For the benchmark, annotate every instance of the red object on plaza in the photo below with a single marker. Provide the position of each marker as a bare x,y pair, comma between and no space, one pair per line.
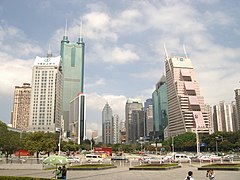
22,152
103,150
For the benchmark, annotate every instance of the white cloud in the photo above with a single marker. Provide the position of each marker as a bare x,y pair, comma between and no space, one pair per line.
98,82
14,72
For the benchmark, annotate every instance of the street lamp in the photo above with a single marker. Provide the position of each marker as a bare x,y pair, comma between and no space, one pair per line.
217,138
173,144
59,140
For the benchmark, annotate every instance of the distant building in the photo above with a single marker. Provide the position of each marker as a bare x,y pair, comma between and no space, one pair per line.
148,124
95,136
46,94
77,118
116,129
223,117
21,107
137,126
107,127
73,73
186,109
234,116
160,112
131,104
237,98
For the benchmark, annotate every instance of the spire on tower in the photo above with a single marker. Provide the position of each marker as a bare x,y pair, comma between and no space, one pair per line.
80,39
65,37
185,52
49,54
165,49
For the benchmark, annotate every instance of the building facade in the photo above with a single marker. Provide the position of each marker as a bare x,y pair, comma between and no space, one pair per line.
186,109
131,105
21,107
160,117
237,99
223,117
107,124
73,73
116,129
77,118
46,94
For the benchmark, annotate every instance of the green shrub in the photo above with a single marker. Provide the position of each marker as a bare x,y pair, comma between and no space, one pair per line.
21,178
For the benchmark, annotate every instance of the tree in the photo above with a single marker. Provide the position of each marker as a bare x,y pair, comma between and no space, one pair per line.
40,141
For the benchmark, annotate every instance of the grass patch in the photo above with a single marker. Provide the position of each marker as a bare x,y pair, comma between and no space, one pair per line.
92,165
21,178
156,165
223,165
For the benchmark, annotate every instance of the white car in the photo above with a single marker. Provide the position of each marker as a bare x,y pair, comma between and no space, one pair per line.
181,158
73,159
151,160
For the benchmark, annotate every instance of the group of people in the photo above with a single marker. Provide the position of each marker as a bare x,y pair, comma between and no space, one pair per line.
210,175
61,173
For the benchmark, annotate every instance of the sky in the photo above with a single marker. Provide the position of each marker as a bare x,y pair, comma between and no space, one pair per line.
124,39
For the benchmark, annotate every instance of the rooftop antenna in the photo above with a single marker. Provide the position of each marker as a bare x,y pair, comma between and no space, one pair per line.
65,32
81,29
165,49
49,54
185,52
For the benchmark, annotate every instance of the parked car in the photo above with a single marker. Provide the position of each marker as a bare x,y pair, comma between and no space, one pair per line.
73,159
119,158
215,158
168,158
181,158
94,158
204,158
151,160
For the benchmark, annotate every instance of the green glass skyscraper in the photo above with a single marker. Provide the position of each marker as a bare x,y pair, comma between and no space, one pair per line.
73,73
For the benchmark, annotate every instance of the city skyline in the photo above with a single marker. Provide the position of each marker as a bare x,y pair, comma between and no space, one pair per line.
124,47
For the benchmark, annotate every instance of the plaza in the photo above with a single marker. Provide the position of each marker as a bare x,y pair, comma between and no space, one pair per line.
123,173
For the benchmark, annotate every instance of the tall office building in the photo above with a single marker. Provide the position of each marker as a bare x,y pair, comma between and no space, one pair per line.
148,124
46,95
107,127
21,106
73,73
237,98
223,117
131,105
234,116
77,118
186,109
160,117
116,129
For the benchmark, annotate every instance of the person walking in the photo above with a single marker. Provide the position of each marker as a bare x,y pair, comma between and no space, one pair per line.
190,176
211,174
64,173
58,173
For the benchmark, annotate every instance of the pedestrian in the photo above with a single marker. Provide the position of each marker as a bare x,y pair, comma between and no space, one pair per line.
64,172
190,176
211,174
58,173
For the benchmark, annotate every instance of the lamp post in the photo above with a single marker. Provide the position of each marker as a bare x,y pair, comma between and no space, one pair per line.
59,140
173,144
217,138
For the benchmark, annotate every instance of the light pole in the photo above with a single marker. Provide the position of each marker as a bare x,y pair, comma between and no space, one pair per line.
217,138
59,140
173,144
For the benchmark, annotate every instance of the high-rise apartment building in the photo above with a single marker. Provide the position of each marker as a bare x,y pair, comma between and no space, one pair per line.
186,109
73,73
116,129
21,106
234,116
131,105
137,126
237,98
107,124
223,117
77,118
46,95
148,124
160,117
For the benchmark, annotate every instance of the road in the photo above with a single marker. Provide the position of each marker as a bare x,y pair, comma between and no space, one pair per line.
123,173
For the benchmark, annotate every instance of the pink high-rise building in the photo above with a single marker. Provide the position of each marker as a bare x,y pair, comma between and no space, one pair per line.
186,109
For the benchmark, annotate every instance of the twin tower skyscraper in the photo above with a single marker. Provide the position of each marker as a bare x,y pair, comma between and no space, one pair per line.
57,98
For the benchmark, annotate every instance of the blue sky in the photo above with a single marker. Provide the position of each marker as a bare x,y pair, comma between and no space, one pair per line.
124,46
